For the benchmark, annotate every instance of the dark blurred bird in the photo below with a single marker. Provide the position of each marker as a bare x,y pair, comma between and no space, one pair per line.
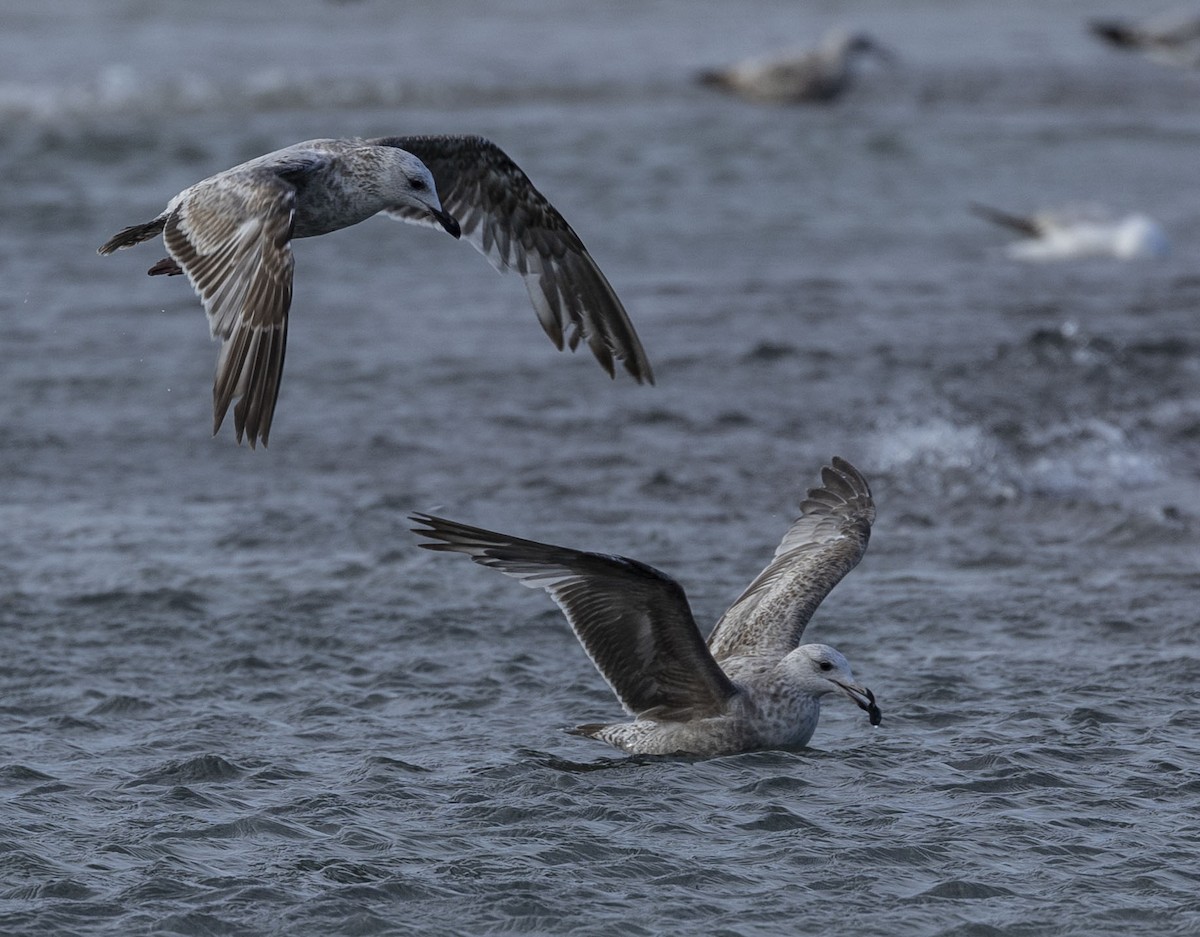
1172,39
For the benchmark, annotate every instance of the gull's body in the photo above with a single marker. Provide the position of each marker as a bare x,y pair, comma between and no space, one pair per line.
816,76
1080,232
231,235
753,686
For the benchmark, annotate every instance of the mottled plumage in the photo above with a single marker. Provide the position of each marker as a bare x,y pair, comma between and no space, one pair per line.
752,686
231,235
821,546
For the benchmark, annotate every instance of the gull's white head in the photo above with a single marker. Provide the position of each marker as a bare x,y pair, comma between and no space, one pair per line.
1139,236
822,669
411,186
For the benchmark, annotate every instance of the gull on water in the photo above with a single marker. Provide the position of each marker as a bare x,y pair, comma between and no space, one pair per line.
1084,231
231,235
793,77
1170,39
753,685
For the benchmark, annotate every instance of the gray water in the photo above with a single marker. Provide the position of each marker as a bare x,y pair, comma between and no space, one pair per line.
236,699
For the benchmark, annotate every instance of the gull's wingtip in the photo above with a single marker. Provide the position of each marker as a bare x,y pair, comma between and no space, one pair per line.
638,367
426,524
441,531
845,467
841,479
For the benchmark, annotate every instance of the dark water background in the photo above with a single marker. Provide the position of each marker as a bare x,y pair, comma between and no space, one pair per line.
236,699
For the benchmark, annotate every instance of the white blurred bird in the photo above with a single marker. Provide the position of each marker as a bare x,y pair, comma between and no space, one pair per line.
1079,232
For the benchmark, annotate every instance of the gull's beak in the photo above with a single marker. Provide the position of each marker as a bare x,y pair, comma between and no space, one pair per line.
447,221
864,699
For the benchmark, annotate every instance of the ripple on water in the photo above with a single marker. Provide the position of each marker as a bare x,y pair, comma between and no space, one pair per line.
189,770
120,705
235,701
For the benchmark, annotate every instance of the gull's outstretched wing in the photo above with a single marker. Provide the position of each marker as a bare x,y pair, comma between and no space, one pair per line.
633,621
512,224
231,235
825,543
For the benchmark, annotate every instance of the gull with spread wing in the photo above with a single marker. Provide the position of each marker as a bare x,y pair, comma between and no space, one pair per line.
753,686
231,236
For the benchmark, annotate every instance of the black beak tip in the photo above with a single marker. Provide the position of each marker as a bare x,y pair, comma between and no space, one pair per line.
449,222
874,713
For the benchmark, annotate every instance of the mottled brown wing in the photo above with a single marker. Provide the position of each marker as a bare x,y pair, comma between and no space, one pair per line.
512,224
633,621
825,543
231,235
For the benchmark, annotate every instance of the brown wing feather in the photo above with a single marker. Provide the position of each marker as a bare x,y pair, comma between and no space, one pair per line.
633,621
825,543
231,235
512,224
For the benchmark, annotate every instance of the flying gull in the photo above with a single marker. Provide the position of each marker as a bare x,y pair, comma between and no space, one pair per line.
231,235
810,76
1081,231
753,685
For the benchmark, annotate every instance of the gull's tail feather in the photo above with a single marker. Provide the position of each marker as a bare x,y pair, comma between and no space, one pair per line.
134,234
588,730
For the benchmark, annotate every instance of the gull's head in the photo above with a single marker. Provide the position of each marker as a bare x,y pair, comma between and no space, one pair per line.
1138,236
412,186
822,669
843,46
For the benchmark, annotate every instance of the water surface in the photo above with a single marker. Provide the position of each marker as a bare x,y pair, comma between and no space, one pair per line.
236,699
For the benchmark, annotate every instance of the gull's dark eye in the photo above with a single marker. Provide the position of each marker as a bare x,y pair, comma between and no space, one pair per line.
417,185
826,665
